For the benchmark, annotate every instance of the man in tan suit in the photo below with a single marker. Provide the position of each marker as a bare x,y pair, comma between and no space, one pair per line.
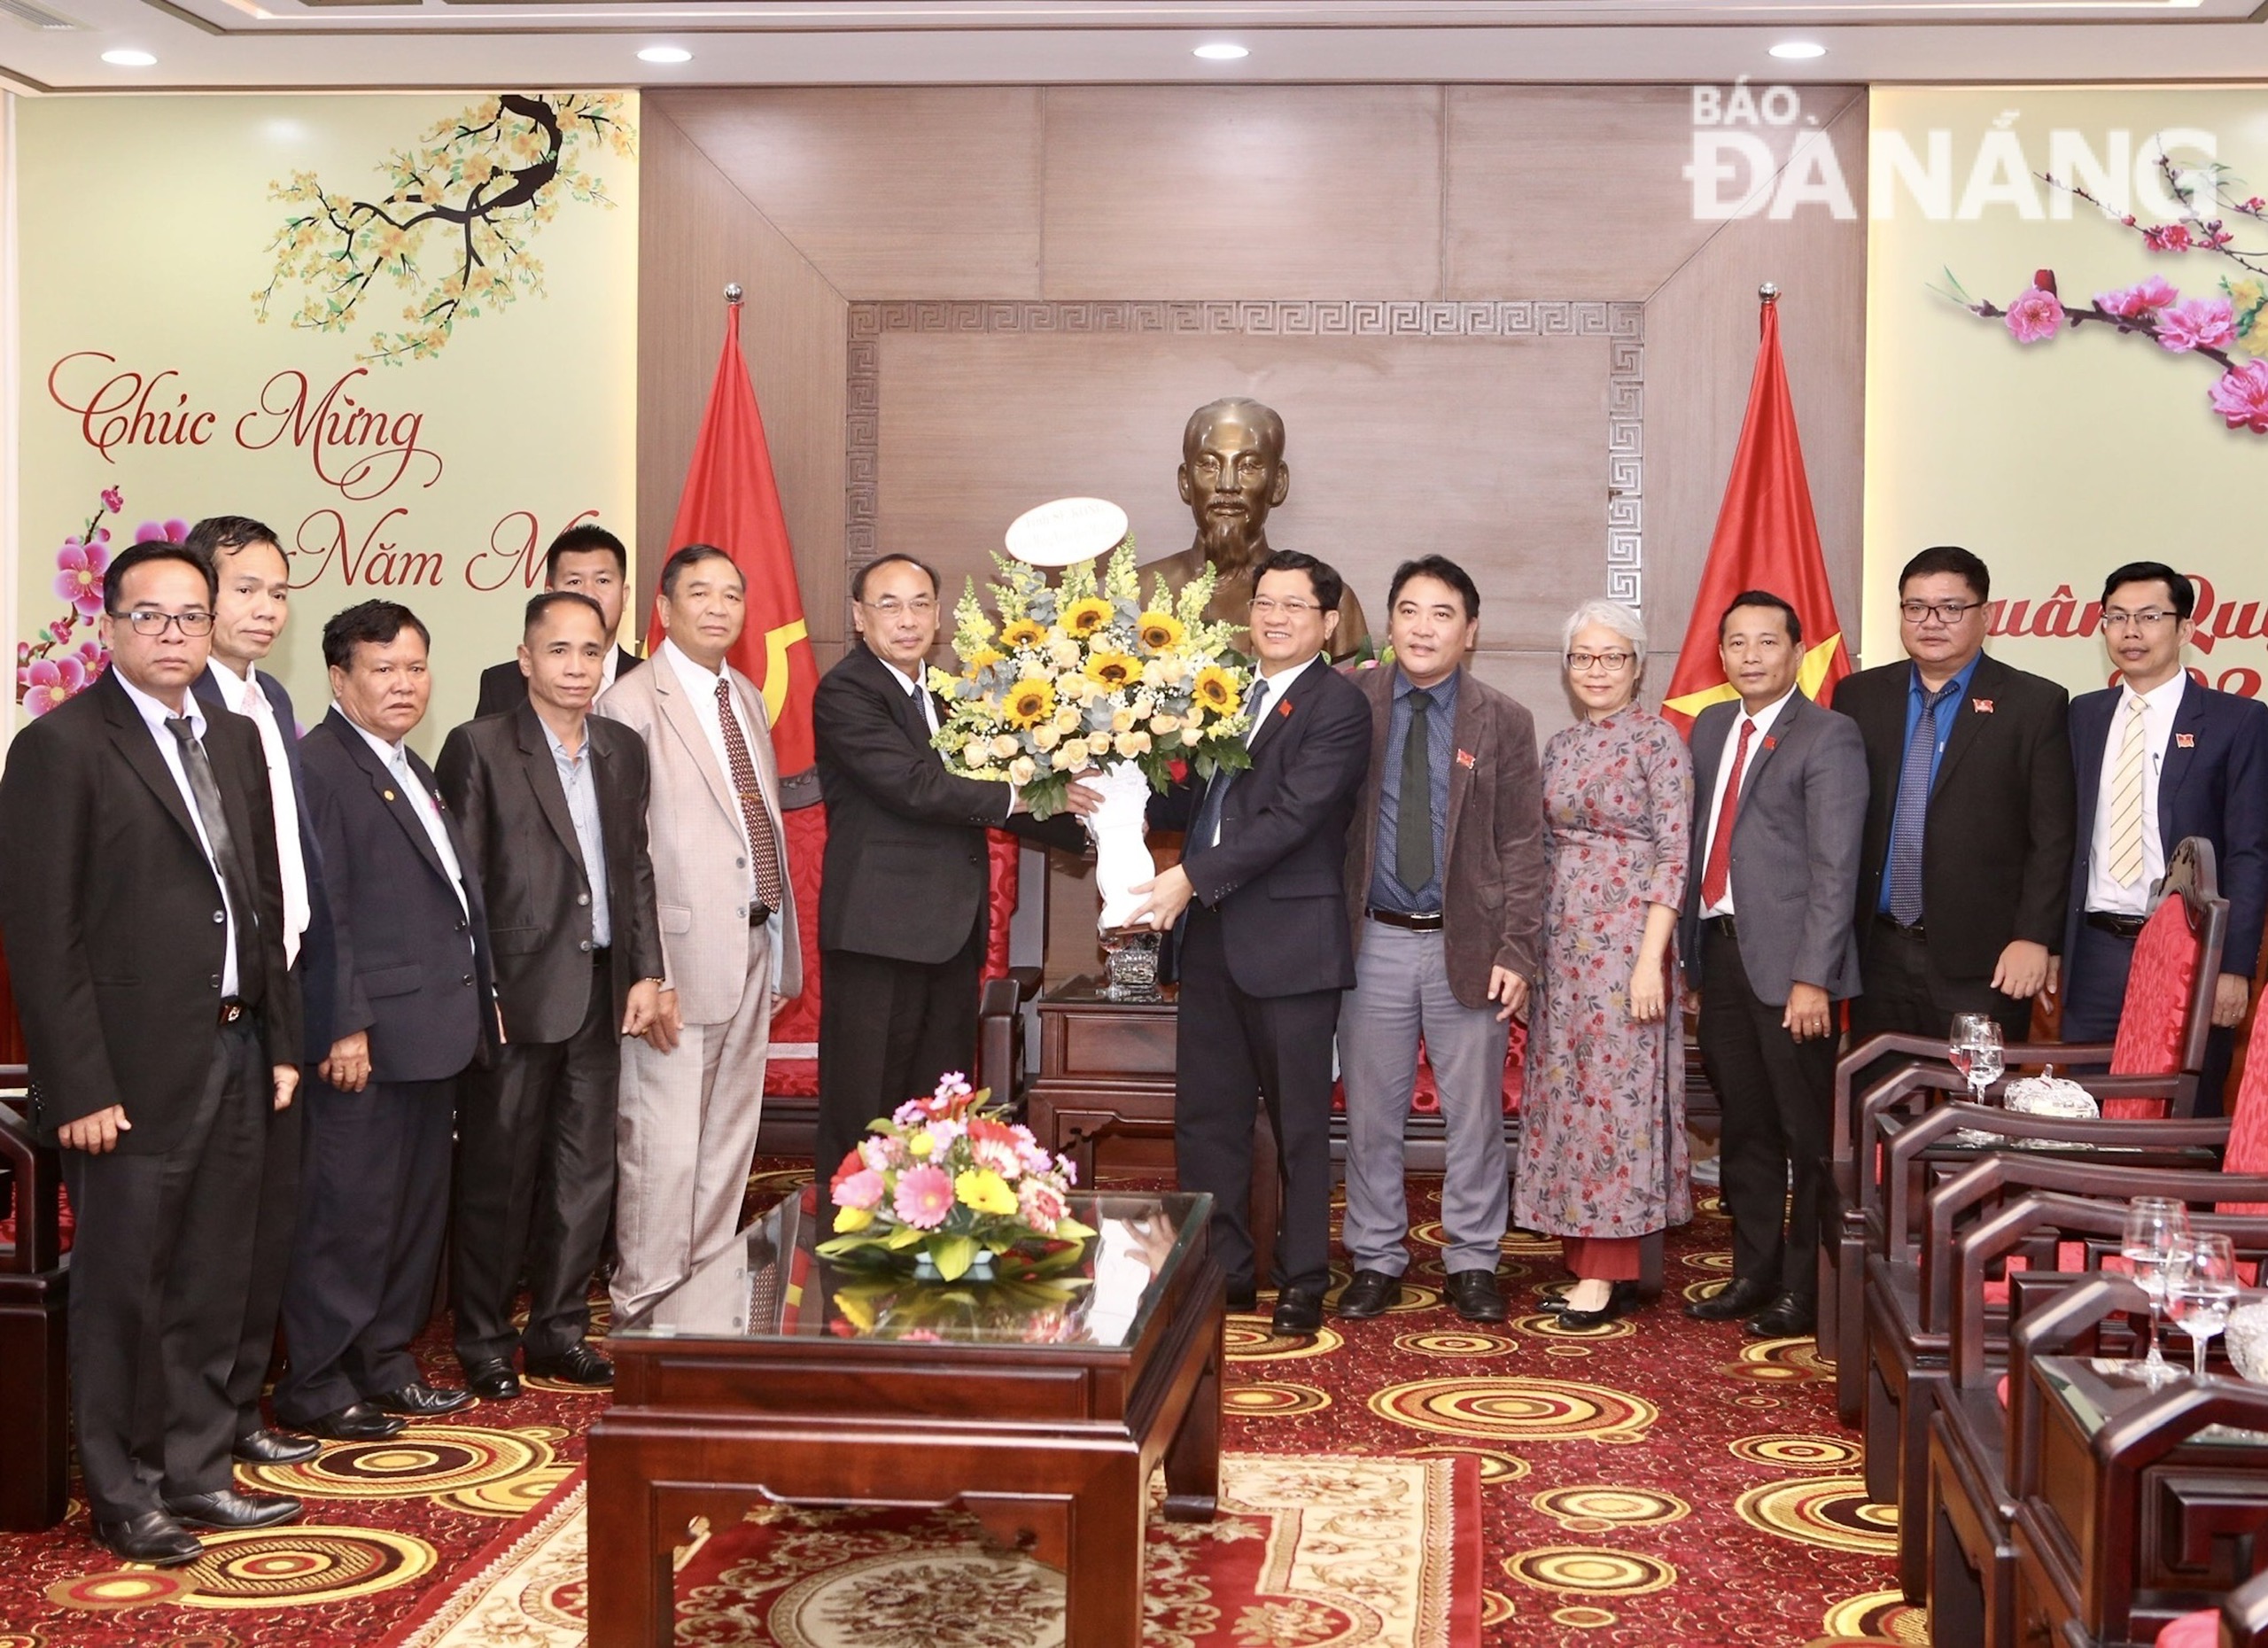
693,1086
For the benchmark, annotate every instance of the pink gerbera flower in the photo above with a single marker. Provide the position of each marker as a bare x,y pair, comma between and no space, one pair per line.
2241,397
2200,324
862,1190
2035,316
1041,1205
924,1196
79,575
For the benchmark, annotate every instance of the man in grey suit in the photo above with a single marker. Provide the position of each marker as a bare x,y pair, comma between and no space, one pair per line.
1780,799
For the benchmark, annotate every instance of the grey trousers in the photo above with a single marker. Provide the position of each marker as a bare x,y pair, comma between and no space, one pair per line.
1401,994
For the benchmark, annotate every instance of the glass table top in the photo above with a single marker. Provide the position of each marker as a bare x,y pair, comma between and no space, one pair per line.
770,1284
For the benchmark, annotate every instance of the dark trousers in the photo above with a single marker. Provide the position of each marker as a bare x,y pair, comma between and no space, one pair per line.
887,1029
275,1225
1777,1093
1900,995
159,1267
1233,1052
373,1207
2094,992
534,1183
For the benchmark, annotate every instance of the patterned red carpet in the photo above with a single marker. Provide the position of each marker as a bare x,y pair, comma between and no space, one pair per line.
1659,1482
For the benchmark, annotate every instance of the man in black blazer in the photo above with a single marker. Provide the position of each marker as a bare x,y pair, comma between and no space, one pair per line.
252,603
408,1005
584,560
904,899
2159,757
1263,939
1964,870
142,915
550,804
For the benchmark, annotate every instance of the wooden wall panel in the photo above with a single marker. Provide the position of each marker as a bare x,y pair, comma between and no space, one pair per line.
896,192
1176,192
696,232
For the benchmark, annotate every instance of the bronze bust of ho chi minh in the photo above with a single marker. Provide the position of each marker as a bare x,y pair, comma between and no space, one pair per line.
1233,473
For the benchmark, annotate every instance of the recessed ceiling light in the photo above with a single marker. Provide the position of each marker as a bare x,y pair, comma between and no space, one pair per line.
129,59
1220,51
1798,50
665,54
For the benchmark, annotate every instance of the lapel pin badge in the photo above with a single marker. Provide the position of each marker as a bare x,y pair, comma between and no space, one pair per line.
389,795
1464,759
1284,708
1771,742
2185,741
1983,706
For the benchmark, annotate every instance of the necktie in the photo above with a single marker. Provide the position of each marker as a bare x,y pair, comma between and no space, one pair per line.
763,849
235,887
1208,832
2126,862
1906,828
1717,873
1413,824
298,909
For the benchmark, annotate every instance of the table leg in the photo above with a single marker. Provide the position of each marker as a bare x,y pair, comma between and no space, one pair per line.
1103,1578
1036,1524
1193,1458
631,1599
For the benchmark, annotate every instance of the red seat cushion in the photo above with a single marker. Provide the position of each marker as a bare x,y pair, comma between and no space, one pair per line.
2201,1629
2156,1013
2248,1149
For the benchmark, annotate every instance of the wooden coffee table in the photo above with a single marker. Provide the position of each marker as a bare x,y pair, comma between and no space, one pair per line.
1040,1403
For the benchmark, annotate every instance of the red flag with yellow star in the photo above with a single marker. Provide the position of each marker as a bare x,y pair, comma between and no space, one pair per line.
1766,538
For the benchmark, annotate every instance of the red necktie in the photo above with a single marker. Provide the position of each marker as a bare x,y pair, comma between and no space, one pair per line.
1718,871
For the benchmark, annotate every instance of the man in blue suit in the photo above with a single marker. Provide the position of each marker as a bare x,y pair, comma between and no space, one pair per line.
2159,758
253,581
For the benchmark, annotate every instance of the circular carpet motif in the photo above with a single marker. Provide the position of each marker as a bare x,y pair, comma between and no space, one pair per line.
1255,1343
1780,1361
124,1588
918,1596
1496,1607
1583,1618
1273,1401
302,1566
1517,1410
1594,1508
1547,1324
1832,1511
514,1497
1456,1342
425,1461
1590,1570
1494,1467
1798,1451
1878,1616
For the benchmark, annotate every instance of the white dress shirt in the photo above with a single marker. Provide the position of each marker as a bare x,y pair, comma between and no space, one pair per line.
1266,692
914,690
700,686
1762,722
608,667
2160,706
246,697
156,715
421,801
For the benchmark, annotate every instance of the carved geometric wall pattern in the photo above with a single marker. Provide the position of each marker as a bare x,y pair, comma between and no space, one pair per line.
1622,323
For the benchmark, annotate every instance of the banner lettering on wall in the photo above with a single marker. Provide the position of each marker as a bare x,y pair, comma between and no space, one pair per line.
398,329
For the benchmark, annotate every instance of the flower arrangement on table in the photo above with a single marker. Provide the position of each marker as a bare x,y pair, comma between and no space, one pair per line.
947,1180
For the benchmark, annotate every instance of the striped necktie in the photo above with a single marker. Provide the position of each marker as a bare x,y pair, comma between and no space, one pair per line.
2126,861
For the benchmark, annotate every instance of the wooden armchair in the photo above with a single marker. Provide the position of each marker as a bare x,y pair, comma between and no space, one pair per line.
1000,1036
34,1292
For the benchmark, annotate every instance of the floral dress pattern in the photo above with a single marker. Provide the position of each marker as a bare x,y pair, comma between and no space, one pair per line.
1602,1148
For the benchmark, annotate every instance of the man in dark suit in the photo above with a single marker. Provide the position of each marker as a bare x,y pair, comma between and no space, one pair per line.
1779,797
1445,886
1963,876
550,804
252,603
143,918
1264,946
2159,758
409,1006
904,897
584,560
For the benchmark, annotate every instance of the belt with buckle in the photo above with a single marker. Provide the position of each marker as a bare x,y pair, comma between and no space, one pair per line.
1429,923
758,912
1724,924
2117,926
233,1009
602,954
1919,932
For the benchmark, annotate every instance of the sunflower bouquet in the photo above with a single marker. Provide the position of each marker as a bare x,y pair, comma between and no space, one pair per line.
1085,674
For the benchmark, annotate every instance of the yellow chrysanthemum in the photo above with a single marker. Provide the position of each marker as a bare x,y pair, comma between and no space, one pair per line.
1112,670
1030,702
1084,617
1215,690
984,1191
1022,632
1161,632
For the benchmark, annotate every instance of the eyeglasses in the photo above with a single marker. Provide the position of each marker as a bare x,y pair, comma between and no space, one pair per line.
2148,618
1268,606
148,622
890,606
1615,662
1943,611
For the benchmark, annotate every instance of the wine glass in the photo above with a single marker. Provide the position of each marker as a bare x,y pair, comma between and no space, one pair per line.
2156,1234
2203,1291
1976,1049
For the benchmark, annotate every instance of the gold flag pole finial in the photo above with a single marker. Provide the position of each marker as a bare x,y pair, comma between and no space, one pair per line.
1770,291
732,294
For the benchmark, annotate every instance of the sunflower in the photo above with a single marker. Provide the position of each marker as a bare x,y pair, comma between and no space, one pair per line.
983,658
1215,689
1161,632
1084,617
1030,701
1022,632
1112,670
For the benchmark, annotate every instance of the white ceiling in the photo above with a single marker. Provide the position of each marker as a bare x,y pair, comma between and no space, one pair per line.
384,43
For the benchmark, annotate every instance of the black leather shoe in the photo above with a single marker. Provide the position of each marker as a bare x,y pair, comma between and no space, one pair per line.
153,1537
1244,1298
1744,1296
1299,1313
419,1401
266,1447
1619,1299
359,1422
1368,1294
577,1365
1791,1316
1474,1295
493,1380
228,1509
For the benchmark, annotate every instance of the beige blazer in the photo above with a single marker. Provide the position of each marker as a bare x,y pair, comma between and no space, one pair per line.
694,833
